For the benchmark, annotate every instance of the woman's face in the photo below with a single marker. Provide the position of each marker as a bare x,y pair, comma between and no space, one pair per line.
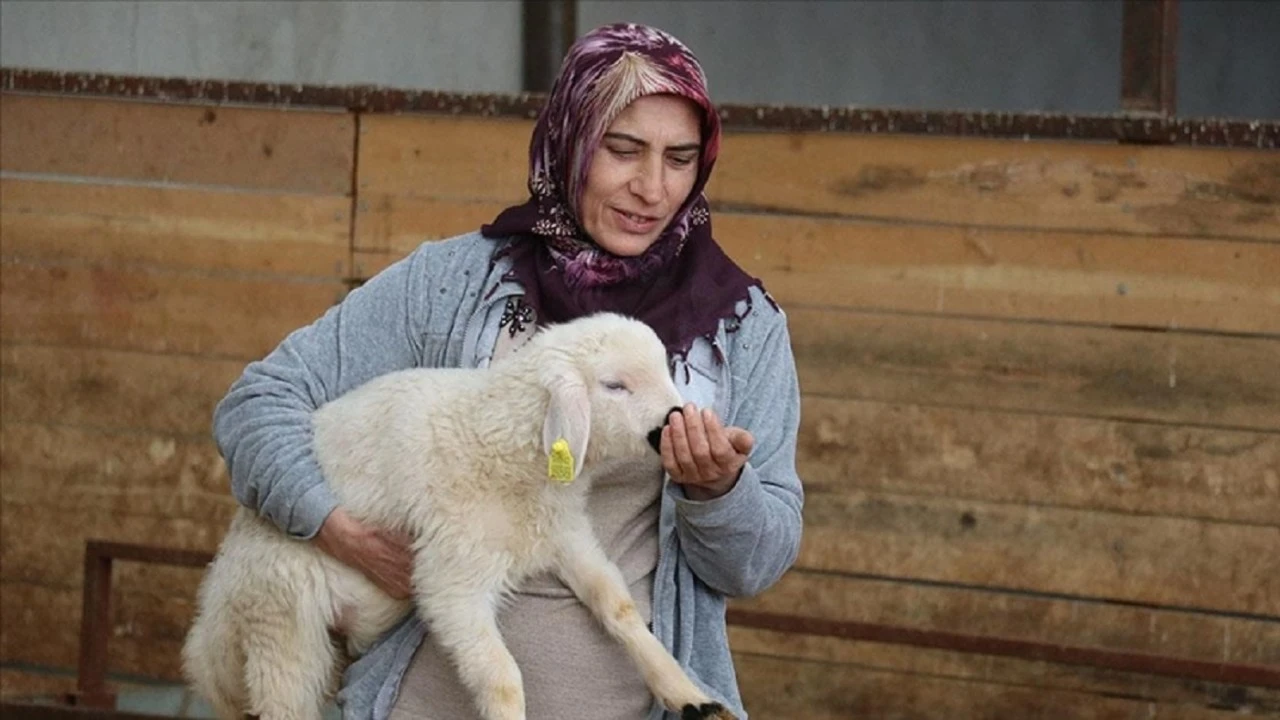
641,174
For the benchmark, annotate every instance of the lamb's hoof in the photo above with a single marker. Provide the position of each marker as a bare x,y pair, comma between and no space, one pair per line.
706,711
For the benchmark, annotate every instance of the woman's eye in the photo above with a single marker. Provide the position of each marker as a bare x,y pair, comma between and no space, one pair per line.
623,152
614,385
680,161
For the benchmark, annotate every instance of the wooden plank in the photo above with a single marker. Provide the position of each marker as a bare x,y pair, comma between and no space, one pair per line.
1047,369
432,156
32,684
956,181
1028,617
40,585
169,395
855,657
208,230
388,227
388,223
1000,183
38,550
1104,279
1153,560
785,688
155,309
109,461
286,150
1040,460
41,627
71,469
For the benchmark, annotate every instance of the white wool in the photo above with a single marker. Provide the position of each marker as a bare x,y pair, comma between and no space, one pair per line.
458,458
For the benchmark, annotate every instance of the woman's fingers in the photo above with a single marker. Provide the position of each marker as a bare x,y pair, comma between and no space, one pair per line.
697,449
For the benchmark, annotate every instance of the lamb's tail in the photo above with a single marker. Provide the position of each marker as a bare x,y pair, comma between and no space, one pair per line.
213,661
260,643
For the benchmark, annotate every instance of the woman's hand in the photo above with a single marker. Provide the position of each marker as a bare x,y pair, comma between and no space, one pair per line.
383,557
703,455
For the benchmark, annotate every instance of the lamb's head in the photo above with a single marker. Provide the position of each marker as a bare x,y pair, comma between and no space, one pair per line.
609,388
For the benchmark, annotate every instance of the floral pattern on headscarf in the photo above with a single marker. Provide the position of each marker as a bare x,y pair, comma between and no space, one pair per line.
604,72
683,285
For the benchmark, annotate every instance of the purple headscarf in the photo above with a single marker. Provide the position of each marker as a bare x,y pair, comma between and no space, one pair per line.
684,284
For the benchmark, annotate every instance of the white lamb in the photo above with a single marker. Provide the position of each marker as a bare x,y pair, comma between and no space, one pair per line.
459,459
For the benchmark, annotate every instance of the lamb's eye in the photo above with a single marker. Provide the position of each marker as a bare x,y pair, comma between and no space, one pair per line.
614,385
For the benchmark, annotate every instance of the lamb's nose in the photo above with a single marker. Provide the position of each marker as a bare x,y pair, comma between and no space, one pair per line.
655,439
655,435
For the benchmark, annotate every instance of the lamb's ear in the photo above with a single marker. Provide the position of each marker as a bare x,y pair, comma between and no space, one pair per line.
568,414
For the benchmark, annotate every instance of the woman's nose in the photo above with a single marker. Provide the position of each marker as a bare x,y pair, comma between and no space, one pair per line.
647,184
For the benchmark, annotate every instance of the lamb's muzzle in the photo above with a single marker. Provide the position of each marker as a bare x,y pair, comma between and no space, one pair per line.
655,435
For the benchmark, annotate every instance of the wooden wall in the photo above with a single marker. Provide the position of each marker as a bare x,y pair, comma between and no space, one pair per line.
1041,380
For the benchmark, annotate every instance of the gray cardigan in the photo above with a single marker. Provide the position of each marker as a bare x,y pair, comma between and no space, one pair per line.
440,307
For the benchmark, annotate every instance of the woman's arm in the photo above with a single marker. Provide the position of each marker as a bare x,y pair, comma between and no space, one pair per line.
263,425
742,541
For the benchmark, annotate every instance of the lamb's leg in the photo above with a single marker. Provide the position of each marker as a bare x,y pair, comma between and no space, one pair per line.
599,584
290,663
459,606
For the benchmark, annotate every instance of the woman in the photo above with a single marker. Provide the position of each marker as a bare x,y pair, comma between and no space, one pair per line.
616,221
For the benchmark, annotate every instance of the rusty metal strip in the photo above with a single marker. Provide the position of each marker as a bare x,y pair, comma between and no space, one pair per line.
1148,56
95,624
355,98
148,554
95,619
1026,126
1234,674
95,628
1126,128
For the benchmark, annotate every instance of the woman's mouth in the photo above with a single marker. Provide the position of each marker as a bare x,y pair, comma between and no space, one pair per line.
633,223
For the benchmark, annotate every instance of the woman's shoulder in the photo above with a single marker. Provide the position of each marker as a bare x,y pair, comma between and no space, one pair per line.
760,314
466,249
465,260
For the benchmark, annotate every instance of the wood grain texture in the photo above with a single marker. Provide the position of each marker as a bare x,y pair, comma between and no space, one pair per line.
787,688
431,156
41,626
1040,460
1041,398
1152,560
1076,186
996,183
293,151
855,657
23,684
43,552
389,227
155,309
170,395
1060,370
209,231
92,466
1100,279
1094,278
1056,620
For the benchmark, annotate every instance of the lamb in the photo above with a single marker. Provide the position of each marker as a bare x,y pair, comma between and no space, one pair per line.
488,471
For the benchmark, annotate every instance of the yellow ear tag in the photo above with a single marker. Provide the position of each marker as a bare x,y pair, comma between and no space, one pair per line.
560,462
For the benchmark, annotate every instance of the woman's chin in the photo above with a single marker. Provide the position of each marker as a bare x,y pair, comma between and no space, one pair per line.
625,245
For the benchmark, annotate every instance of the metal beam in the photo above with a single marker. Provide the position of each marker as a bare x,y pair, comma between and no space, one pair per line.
1168,666
550,27
1149,57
